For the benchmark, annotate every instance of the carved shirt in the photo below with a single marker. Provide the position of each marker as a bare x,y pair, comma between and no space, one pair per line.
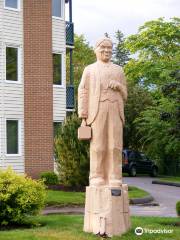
106,92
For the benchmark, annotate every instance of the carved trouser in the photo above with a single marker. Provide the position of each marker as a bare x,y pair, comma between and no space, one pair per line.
106,143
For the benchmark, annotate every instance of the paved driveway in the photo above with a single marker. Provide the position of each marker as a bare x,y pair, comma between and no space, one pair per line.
166,196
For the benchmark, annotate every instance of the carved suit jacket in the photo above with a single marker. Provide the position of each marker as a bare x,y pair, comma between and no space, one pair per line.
89,91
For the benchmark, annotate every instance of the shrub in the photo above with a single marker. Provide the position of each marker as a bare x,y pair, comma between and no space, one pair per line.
72,155
20,197
178,208
50,178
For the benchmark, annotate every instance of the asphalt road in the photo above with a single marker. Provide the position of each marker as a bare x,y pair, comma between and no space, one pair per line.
166,196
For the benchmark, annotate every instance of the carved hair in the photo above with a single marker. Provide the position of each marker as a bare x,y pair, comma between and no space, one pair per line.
100,40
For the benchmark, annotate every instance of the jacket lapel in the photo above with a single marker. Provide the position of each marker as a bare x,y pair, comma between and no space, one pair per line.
97,79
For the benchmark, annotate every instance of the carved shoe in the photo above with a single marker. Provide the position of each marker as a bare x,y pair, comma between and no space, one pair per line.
97,182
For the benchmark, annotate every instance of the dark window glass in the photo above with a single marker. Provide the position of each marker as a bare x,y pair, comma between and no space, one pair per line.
138,157
56,8
57,69
11,3
11,64
57,126
131,156
144,158
12,136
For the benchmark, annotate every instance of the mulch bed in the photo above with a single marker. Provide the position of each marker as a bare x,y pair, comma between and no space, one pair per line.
66,188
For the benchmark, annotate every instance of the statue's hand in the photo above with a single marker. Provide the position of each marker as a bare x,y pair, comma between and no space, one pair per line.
83,123
114,85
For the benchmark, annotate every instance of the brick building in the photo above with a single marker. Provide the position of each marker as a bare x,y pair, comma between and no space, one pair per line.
34,41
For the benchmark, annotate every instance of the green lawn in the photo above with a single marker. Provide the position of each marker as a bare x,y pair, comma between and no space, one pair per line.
68,227
62,198
170,179
135,192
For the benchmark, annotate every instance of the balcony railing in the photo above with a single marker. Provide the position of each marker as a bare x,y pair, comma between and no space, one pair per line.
69,33
70,97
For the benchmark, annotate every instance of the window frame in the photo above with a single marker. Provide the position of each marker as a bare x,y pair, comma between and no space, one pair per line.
19,137
144,157
62,85
62,11
138,157
13,9
19,61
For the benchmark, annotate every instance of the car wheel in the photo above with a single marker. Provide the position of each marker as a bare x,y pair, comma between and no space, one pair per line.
154,172
133,171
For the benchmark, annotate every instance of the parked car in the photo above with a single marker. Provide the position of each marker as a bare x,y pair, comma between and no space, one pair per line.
134,162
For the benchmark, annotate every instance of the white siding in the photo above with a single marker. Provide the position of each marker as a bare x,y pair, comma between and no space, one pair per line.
59,104
12,23
59,92
11,93
58,35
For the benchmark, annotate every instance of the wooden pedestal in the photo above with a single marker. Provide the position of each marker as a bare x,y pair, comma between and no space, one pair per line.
107,210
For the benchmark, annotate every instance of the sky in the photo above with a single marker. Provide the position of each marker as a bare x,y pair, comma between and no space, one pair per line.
95,17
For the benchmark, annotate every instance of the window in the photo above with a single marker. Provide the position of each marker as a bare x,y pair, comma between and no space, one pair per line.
57,8
138,157
12,137
131,156
11,4
57,69
11,64
144,157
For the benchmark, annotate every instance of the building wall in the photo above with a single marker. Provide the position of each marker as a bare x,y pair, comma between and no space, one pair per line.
59,92
11,93
38,87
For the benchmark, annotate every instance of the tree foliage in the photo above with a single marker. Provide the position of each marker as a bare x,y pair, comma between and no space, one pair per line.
83,55
156,68
120,53
156,46
138,100
72,155
160,135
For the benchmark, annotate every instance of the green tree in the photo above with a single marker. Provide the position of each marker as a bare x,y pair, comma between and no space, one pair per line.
156,47
120,53
72,155
160,136
83,55
156,68
138,100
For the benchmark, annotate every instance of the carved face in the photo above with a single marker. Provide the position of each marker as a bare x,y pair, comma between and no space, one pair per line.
104,51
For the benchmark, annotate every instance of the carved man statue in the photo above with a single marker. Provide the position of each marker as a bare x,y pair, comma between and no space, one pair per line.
101,96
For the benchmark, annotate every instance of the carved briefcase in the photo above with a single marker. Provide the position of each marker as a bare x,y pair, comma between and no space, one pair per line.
84,133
